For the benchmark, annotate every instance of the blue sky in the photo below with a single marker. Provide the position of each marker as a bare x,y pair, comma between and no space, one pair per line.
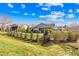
34,13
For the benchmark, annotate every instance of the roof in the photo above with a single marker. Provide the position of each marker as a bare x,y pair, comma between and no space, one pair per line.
42,25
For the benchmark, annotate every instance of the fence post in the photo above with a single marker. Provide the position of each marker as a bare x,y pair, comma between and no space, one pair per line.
26,36
12,33
21,35
37,37
31,35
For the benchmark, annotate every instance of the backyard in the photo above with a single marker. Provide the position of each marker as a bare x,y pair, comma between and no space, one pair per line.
11,46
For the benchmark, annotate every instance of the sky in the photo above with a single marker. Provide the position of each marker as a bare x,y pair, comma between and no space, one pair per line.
35,13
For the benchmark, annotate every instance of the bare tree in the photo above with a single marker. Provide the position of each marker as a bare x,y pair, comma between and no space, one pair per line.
5,21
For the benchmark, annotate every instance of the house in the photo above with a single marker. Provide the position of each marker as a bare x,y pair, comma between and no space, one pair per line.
61,28
42,26
75,28
13,27
24,26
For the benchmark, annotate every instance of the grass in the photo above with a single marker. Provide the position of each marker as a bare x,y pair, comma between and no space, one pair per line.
10,46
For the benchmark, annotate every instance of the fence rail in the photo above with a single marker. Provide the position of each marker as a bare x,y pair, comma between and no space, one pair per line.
26,36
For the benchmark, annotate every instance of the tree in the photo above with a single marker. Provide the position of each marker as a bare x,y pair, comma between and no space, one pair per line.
29,30
47,33
5,21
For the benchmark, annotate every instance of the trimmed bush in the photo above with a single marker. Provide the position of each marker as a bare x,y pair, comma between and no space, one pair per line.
23,35
77,36
28,35
31,35
9,33
65,36
59,36
71,36
21,30
15,34
12,33
18,35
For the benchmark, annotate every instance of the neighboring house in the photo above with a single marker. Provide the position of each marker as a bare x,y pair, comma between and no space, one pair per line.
42,26
61,28
75,28
25,26
12,27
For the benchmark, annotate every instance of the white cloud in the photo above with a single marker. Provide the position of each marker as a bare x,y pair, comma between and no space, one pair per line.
10,5
15,11
33,14
23,6
77,10
77,3
59,13
40,4
70,10
47,17
51,4
55,4
45,8
54,16
70,15
51,17
25,13
48,5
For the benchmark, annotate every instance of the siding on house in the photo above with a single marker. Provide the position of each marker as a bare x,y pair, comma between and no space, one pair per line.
42,26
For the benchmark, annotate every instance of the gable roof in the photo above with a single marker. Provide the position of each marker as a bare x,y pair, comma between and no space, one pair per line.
42,25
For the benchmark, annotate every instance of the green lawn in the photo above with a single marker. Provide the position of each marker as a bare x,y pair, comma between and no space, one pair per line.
10,46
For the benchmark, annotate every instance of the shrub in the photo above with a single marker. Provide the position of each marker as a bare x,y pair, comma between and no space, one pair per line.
77,36
71,36
59,36
21,30
26,38
65,36
15,35
31,35
23,35
28,35
18,35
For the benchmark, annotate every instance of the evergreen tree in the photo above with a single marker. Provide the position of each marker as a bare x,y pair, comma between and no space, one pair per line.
29,30
47,35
